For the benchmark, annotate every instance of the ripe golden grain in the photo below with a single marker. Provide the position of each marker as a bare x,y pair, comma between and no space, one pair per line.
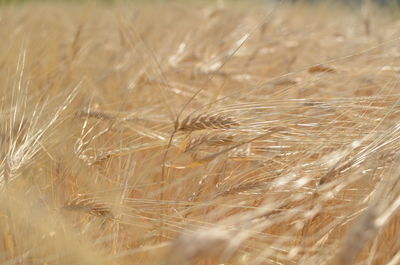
207,121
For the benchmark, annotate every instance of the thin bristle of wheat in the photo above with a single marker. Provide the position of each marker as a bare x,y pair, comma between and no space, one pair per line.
206,121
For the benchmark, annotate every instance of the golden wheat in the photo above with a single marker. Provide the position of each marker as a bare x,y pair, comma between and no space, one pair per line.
208,133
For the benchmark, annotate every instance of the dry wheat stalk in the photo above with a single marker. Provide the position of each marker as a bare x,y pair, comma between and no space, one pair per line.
207,121
84,203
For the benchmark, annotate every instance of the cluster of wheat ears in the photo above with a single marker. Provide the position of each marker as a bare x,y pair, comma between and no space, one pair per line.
199,133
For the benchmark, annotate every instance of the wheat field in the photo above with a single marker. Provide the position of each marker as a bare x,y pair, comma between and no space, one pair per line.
182,133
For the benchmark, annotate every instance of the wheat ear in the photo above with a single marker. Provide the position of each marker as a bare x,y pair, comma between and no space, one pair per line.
210,140
89,205
207,121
